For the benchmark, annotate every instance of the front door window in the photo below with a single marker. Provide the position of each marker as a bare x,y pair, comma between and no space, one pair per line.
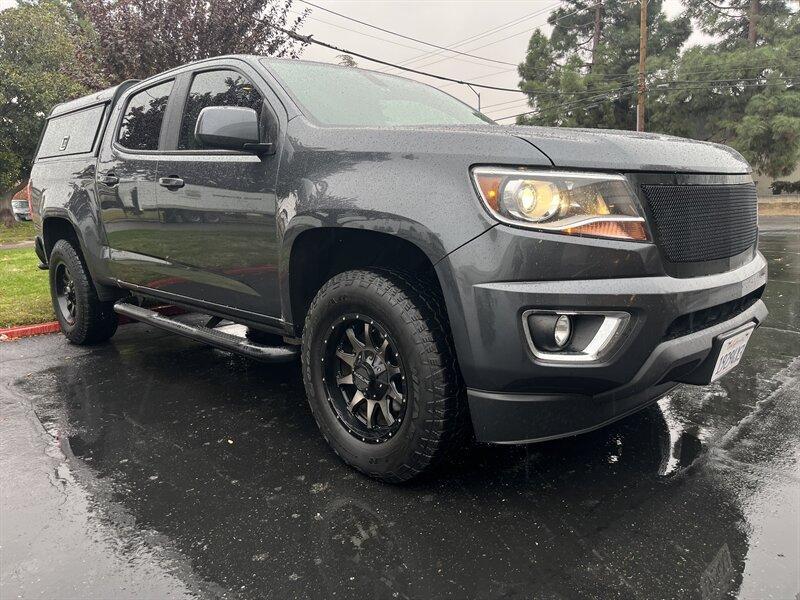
215,88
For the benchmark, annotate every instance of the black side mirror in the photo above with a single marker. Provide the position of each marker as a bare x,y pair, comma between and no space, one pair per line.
229,128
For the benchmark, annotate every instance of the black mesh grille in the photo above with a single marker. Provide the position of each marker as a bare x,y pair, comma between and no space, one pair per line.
703,222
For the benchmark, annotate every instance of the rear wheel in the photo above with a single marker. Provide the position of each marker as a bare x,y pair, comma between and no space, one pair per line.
381,375
84,319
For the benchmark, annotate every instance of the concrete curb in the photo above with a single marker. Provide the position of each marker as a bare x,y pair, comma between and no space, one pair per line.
13,333
24,331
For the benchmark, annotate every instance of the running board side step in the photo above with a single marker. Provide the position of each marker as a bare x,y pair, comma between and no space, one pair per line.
213,337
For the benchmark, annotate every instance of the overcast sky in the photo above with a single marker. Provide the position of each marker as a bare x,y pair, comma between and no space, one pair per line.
442,22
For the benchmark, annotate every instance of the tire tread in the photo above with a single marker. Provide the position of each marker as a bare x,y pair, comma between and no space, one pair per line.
99,321
422,311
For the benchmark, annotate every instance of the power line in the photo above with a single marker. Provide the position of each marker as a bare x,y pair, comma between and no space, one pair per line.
406,37
309,39
525,31
482,34
388,41
648,73
571,104
503,39
782,83
506,102
492,74
619,75
583,101
759,65
660,86
374,37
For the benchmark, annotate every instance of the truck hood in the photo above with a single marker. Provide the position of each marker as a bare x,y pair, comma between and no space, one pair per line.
630,151
610,149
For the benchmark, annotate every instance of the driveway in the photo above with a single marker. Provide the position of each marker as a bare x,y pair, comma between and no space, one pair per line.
155,467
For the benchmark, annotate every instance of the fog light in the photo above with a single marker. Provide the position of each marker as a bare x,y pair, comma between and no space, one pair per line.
579,336
562,331
550,332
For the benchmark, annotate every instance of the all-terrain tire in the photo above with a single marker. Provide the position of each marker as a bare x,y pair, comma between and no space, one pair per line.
411,312
88,320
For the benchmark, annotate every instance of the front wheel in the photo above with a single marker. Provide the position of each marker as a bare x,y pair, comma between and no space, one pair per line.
381,375
83,318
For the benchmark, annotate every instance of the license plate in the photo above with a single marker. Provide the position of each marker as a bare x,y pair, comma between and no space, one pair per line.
731,353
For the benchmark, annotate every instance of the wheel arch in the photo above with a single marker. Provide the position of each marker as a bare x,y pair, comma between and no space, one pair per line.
319,253
57,225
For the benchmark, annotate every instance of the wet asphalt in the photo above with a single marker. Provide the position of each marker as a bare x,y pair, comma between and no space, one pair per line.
156,467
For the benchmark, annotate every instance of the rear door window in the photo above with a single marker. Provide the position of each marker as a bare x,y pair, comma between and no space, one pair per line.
73,133
215,88
144,114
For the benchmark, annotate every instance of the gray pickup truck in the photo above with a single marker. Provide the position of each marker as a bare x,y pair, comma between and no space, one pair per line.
440,276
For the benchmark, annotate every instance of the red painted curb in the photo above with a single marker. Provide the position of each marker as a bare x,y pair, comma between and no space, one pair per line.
15,333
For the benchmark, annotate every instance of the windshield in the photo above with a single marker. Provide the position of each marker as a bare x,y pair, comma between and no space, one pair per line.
336,95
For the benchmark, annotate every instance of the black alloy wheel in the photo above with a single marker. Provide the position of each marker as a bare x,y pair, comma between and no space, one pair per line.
380,373
83,317
364,378
65,293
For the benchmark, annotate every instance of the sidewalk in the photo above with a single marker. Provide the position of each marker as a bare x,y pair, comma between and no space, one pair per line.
15,245
55,543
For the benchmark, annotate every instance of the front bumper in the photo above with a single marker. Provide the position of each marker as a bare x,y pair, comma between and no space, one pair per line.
521,418
515,397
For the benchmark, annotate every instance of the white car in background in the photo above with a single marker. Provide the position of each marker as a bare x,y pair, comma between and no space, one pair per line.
20,204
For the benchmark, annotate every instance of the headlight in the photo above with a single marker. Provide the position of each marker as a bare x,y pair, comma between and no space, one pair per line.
595,204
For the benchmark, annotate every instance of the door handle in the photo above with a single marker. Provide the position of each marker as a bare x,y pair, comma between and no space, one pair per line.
171,183
108,179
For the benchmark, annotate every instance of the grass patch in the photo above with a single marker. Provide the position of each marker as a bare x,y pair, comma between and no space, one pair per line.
24,289
18,232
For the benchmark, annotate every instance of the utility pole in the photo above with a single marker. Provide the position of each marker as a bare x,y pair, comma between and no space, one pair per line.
642,65
596,34
752,23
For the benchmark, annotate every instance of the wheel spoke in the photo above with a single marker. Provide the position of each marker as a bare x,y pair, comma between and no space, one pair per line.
368,336
387,414
393,392
370,412
384,347
345,379
348,359
356,343
392,370
355,400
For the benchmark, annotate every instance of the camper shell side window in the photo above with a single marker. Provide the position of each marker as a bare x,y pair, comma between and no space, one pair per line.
72,133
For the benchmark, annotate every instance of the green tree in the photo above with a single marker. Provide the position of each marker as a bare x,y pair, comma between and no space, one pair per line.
741,90
756,21
139,38
43,61
584,73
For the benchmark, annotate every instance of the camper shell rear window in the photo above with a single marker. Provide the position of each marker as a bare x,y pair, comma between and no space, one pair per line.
72,133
